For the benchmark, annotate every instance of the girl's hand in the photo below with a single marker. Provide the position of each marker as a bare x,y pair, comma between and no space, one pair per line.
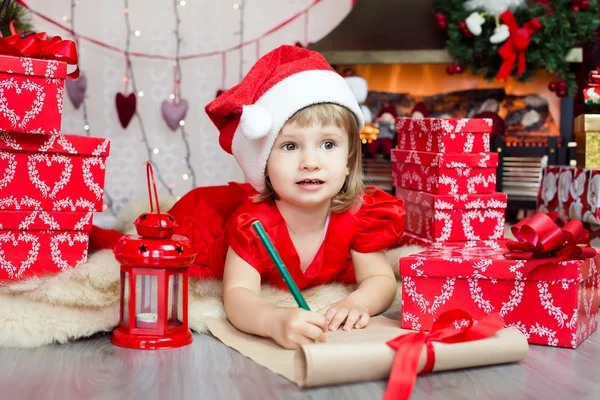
291,327
354,315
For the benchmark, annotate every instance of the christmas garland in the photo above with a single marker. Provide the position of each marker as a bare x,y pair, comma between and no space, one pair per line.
517,42
13,19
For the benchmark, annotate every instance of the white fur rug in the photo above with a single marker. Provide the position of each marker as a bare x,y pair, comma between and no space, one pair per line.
85,300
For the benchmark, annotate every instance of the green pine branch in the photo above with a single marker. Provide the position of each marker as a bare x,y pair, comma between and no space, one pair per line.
562,30
21,20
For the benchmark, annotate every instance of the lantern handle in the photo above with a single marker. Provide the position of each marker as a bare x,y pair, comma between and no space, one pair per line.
150,174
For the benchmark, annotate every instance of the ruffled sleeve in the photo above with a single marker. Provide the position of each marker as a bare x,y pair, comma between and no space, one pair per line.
246,243
380,222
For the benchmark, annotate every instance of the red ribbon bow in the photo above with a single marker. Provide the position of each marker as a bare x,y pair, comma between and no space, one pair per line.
515,45
452,326
548,238
39,46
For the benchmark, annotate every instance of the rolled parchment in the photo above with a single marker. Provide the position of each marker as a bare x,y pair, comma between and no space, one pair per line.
362,354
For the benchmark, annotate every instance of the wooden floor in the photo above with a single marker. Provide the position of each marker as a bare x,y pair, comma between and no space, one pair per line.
207,369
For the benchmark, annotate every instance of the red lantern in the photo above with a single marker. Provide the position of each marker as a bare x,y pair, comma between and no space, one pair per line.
154,282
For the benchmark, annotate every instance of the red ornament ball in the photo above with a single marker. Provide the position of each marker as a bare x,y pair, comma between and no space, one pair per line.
462,25
459,69
575,8
561,93
450,70
552,86
468,34
442,20
584,4
561,86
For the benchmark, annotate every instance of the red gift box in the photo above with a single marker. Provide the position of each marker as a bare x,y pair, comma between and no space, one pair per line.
555,304
411,239
570,191
36,243
444,135
31,94
443,218
52,172
440,173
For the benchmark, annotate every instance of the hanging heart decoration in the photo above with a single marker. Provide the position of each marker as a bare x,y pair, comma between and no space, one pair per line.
76,90
125,108
174,112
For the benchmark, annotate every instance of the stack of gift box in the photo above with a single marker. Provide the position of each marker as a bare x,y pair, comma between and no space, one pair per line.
446,174
542,284
50,183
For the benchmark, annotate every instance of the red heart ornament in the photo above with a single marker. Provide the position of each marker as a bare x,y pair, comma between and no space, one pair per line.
125,108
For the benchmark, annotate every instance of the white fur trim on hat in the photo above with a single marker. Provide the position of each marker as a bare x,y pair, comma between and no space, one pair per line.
282,101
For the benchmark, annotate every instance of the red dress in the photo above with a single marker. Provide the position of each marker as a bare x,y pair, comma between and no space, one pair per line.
216,218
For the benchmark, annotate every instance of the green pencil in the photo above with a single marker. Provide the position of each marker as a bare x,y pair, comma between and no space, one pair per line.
285,274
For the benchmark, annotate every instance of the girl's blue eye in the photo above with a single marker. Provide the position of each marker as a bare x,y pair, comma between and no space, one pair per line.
289,146
328,145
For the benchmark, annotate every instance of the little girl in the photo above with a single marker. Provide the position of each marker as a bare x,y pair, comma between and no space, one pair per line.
293,126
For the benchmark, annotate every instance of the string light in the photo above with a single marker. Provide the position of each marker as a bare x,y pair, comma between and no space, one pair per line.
171,96
155,151
131,78
236,6
137,33
177,94
109,204
140,93
182,3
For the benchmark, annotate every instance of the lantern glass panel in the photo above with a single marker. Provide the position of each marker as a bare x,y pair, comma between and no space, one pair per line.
175,308
125,297
146,307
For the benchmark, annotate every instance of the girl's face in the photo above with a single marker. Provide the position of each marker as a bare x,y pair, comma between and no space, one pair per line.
308,166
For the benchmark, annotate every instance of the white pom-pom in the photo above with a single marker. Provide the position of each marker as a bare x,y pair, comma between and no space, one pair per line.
359,87
255,122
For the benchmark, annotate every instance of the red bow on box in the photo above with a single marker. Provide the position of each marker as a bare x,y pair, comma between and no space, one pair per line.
514,47
548,238
39,46
452,326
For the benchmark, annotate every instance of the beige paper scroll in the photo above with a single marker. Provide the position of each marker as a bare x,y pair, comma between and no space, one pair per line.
362,354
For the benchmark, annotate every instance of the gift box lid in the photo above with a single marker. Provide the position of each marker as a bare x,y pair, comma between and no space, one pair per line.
587,123
445,160
444,125
453,202
486,260
20,220
33,67
55,143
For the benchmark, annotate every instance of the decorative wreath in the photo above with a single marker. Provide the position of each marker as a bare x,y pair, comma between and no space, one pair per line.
502,38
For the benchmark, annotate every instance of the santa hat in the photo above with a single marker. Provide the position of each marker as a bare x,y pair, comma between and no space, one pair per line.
250,115
420,110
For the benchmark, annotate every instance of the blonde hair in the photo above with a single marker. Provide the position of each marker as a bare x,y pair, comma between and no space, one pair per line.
350,196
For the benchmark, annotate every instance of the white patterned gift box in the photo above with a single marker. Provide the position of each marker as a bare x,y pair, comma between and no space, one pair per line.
572,192
564,190
444,135
555,304
31,94
441,173
454,218
36,243
50,185
52,172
